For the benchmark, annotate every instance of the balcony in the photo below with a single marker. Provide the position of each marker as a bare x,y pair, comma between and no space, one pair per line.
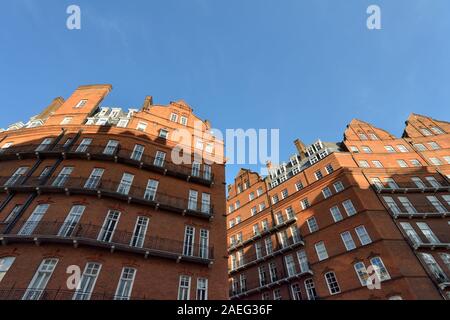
252,237
420,211
109,189
57,294
430,245
97,152
255,287
409,187
90,235
253,259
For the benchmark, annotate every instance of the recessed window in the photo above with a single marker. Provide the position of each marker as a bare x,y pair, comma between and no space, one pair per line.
5,264
354,149
163,133
338,186
435,161
312,224
123,123
332,283
389,149
321,251
363,164
348,240
326,192
349,208
305,203
81,104
377,164
437,130
66,120
366,149
173,117
433,145
318,174
402,163
142,126
402,148
336,213
420,147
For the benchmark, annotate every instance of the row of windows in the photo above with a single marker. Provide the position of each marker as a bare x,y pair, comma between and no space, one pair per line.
391,184
403,164
318,174
388,148
237,259
279,219
348,241
106,233
86,284
408,207
331,280
251,196
112,146
295,291
124,186
335,213
173,116
424,229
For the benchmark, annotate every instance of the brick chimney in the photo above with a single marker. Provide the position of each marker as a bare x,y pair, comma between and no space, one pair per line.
301,148
147,103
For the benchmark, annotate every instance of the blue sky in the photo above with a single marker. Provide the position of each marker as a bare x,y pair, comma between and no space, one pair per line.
305,66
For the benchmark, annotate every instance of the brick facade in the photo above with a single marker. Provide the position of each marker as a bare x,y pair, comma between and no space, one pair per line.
161,253
286,241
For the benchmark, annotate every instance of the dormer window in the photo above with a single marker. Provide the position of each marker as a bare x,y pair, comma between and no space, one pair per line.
122,123
115,113
173,117
35,123
102,121
163,133
103,112
81,104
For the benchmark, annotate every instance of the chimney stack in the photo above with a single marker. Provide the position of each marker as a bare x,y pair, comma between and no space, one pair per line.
147,103
301,148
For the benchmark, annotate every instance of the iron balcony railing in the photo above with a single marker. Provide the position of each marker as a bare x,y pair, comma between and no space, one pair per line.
58,294
251,259
271,280
419,211
253,236
95,235
117,154
108,188
410,187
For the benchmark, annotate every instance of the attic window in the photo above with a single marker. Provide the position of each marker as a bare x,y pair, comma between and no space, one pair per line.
81,104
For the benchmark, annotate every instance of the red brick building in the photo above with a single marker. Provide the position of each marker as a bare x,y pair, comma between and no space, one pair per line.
97,190
367,218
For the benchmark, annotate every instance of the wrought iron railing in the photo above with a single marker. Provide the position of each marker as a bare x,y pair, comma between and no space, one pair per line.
95,235
109,188
59,294
271,280
255,235
121,155
250,258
